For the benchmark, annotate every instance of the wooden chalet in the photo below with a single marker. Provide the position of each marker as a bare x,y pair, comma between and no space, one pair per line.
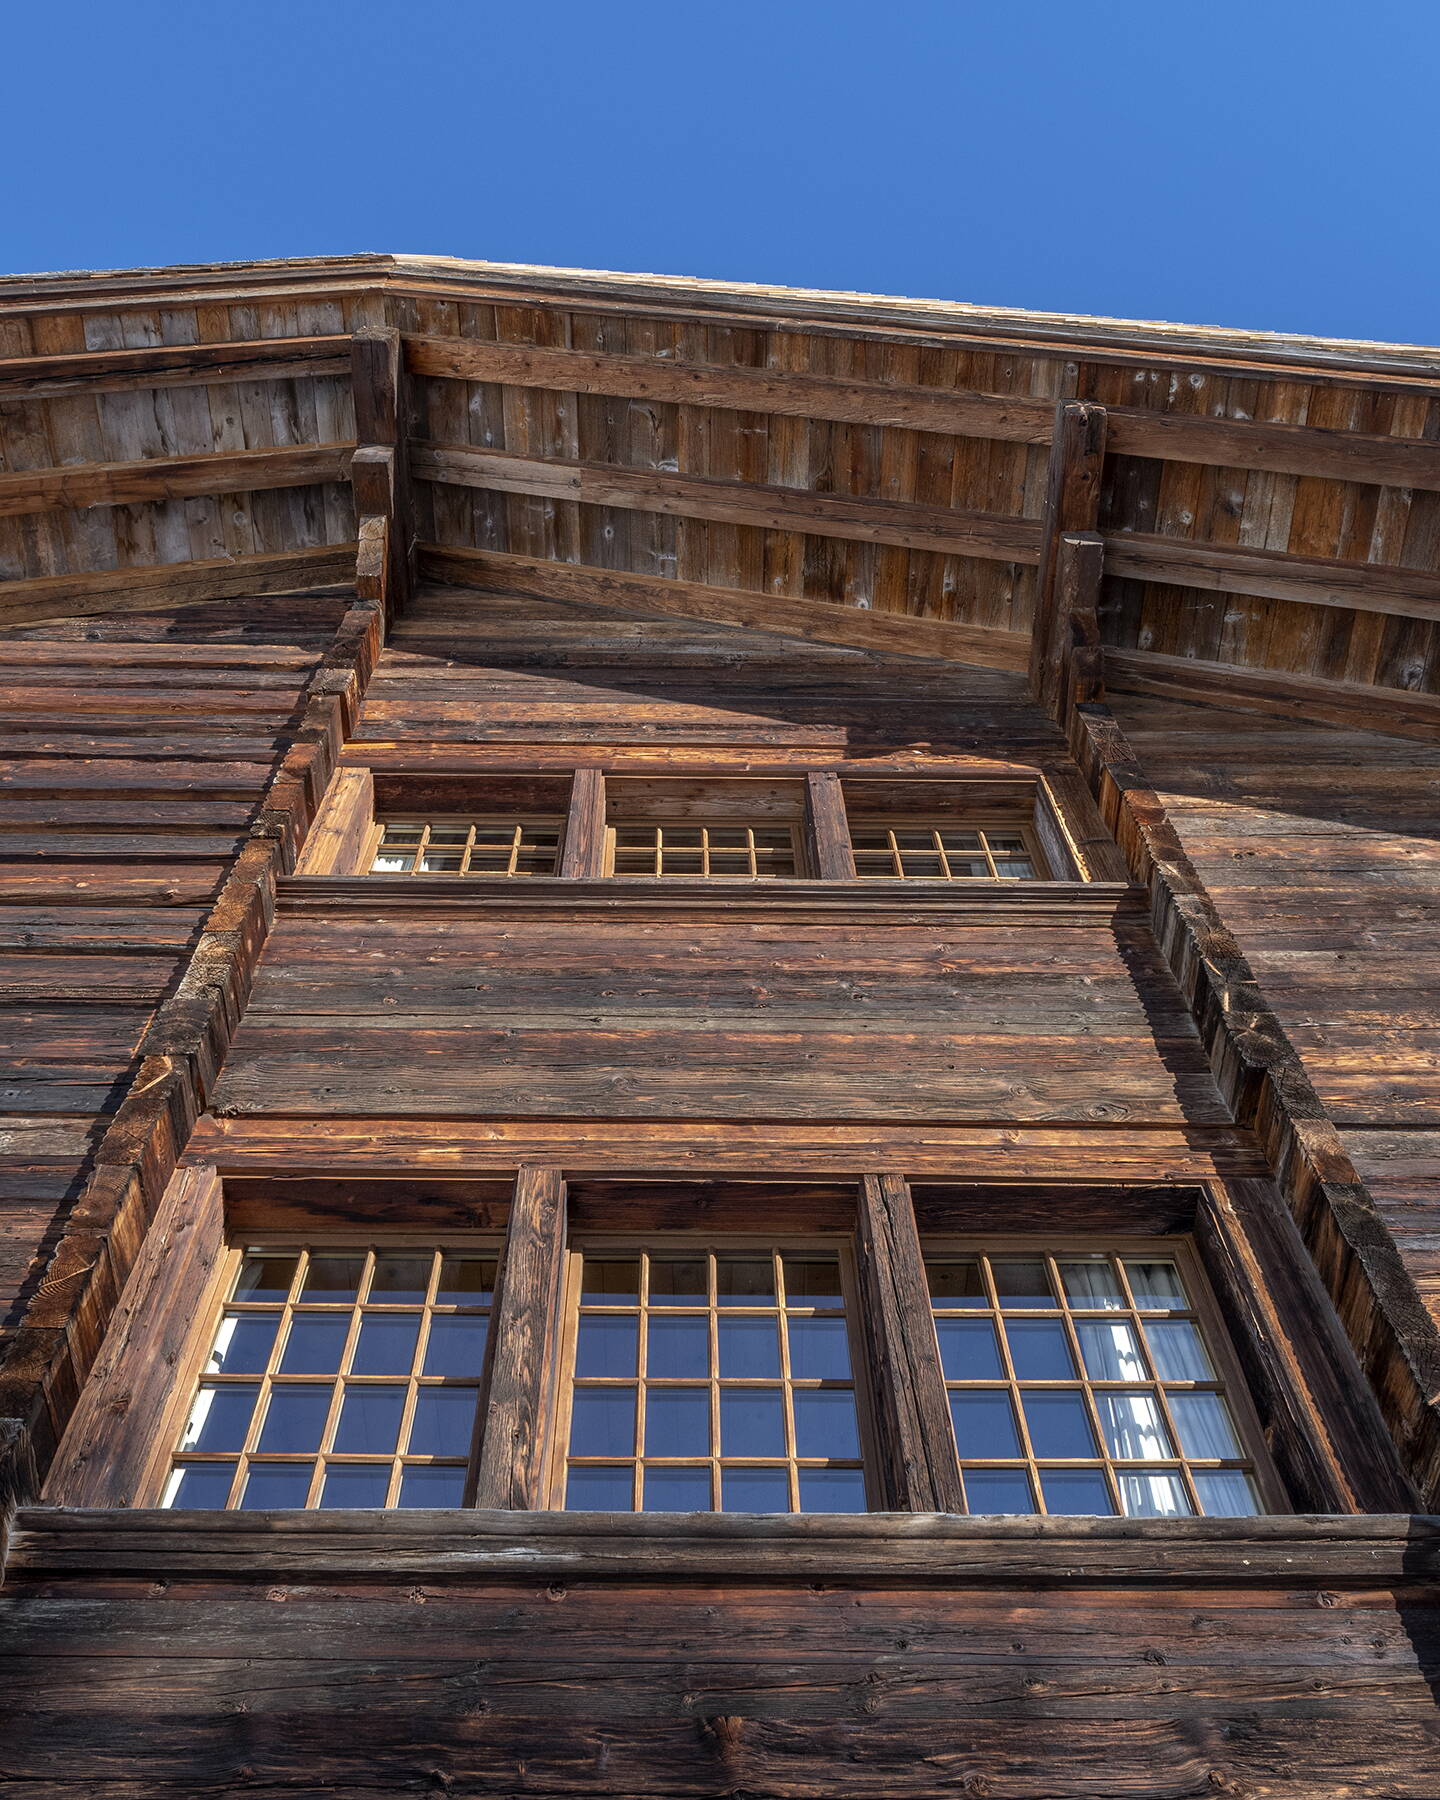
720,1045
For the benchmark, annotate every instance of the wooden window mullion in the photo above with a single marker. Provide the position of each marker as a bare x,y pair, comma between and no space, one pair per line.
911,1409
827,829
583,856
520,1357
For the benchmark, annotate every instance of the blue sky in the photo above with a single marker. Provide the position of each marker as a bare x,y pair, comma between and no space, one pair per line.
1270,164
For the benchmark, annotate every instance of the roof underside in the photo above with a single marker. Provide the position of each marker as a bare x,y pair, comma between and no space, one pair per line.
1262,512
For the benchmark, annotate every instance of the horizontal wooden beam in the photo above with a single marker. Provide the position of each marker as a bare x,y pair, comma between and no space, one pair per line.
941,529
156,585
1275,575
1017,419
1379,1551
172,365
1281,449
171,477
1388,710
821,621
1174,437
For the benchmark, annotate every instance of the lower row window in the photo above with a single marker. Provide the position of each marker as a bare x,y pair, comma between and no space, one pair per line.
700,1377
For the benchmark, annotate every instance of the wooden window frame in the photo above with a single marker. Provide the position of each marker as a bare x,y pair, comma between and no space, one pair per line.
778,1245
981,825
798,871
520,826
1229,1379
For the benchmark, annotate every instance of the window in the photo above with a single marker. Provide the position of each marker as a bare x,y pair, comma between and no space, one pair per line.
1089,1381
742,852
460,846
711,1379
340,1376
944,850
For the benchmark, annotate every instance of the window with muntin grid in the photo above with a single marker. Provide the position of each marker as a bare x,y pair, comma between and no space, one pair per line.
1090,1381
727,849
460,846
705,1379
924,850
340,1376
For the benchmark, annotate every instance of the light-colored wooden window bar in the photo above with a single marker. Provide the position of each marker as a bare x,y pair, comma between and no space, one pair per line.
460,846
896,849
1092,1381
710,1378
340,1376
681,847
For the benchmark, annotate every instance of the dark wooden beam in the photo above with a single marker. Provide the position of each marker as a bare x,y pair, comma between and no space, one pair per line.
944,530
1275,575
157,585
1016,418
583,855
827,828
820,621
172,365
381,434
1281,449
1072,505
520,1354
1274,691
170,477
917,1444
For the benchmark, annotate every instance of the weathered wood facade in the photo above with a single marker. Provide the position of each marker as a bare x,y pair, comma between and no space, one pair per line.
290,550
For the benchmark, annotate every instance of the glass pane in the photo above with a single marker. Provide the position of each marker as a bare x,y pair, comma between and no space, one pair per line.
370,1420
386,1346
677,1422
444,1421
1022,1283
242,1344
1075,1491
331,1280
1017,868
675,1283
607,1345
598,1490
610,1281
432,1487
355,1487
752,1422
1092,1284
1158,1496
199,1485
998,1491
832,1491
819,1349
277,1487
825,1423
1155,1284
1058,1424
219,1418
678,1347
744,1281
754,1490
1203,1423
677,1490
811,1281
968,1350
265,1277
984,1424
1040,1350
602,1422
749,1348
1110,1350
1133,1426
1224,1494
314,1345
1179,1350
959,840
400,1280
456,1345
466,1281
956,1284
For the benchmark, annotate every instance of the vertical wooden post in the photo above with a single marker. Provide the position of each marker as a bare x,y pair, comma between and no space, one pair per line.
828,829
1072,505
339,841
584,851
520,1355
917,1442
381,482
